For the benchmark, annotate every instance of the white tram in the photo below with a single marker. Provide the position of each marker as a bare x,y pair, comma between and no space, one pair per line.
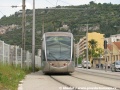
57,52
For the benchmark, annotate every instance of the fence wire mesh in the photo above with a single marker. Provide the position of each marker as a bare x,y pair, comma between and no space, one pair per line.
12,54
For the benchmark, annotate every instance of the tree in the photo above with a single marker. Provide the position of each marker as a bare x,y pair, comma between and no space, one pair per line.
99,52
92,44
92,2
92,47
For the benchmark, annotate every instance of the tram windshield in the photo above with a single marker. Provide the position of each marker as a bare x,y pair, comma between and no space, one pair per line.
58,48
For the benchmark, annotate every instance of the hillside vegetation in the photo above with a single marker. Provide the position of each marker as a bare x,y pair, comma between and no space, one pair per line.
100,17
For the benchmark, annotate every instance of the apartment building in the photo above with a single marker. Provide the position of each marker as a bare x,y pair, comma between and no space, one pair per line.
93,35
77,50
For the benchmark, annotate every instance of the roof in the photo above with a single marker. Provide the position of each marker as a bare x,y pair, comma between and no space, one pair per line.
109,47
58,34
117,44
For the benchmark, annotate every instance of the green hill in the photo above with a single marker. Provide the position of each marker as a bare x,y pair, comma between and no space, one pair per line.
100,17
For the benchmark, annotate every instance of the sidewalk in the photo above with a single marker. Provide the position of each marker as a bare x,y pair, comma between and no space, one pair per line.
39,81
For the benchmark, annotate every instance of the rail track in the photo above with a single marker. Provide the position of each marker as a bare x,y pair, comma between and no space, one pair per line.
105,75
63,83
75,82
106,85
101,74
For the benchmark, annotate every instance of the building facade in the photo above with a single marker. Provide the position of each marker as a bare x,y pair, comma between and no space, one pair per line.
82,42
113,48
112,53
113,38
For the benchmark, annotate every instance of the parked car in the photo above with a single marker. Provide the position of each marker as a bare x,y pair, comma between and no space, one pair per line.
85,63
115,66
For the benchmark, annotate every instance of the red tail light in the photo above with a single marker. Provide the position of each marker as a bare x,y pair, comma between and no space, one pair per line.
52,64
65,64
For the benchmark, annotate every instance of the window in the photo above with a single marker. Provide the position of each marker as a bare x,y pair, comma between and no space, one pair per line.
58,48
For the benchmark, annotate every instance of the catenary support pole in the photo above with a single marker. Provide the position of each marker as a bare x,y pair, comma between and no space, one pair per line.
23,31
33,38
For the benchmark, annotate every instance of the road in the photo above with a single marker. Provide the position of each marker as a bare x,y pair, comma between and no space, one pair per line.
81,78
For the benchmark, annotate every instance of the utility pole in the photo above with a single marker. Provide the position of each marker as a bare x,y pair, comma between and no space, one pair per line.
105,53
106,61
33,38
87,45
43,26
23,31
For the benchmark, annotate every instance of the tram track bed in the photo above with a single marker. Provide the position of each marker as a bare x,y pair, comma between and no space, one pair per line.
73,81
107,82
98,72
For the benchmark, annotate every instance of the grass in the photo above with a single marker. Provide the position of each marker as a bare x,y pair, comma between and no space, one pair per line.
10,76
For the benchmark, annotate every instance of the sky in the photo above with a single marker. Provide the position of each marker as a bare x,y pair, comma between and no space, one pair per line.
6,9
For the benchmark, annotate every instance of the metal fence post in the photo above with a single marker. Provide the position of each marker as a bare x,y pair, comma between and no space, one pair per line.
3,51
27,59
8,54
21,58
16,56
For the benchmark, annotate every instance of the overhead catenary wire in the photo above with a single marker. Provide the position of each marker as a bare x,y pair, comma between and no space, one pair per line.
6,6
56,2
50,3
65,2
2,13
13,6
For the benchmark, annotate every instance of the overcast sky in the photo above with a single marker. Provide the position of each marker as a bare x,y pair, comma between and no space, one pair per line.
6,9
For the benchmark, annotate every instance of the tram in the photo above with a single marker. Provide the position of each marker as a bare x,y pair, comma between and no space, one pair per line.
57,52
